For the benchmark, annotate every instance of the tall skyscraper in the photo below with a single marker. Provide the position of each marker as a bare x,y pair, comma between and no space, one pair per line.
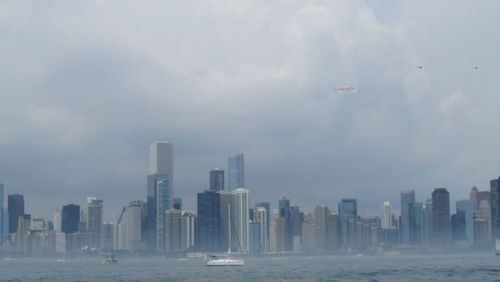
160,168
217,179
236,172
240,220
94,220
208,237
263,221
464,209
407,197
495,207
417,223
16,210
70,218
428,221
348,212
441,224
473,197
386,215
164,202
285,213
320,227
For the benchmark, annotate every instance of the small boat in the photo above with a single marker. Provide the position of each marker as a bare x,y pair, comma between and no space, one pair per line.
110,259
497,247
63,259
224,260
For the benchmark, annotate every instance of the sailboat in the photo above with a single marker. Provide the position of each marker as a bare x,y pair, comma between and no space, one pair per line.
497,247
226,259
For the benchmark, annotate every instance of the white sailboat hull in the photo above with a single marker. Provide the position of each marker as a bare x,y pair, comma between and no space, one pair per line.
226,262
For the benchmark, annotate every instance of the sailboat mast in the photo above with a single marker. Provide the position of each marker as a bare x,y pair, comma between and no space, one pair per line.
229,226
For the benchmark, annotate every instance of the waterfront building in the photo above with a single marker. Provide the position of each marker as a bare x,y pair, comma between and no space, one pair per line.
320,227
236,170
465,220
217,179
16,211
495,207
70,218
161,168
386,215
407,198
208,236
441,225
94,220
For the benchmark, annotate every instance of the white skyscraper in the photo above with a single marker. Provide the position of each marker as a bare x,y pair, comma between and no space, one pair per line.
240,220
57,221
161,159
386,215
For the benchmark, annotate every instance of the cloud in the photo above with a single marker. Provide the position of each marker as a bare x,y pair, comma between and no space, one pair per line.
87,86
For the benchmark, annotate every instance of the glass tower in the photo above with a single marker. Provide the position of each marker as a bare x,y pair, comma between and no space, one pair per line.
236,172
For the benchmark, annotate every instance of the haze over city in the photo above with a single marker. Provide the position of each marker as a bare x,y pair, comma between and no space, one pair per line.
86,87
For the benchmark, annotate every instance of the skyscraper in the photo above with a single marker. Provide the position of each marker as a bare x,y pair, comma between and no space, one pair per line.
70,218
160,168
94,220
16,210
320,227
464,210
236,172
386,215
407,197
217,179
263,221
495,207
164,202
417,223
441,224
208,237
240,220
348,207
348,211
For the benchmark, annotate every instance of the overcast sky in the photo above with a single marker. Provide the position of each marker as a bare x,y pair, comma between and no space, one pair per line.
87,86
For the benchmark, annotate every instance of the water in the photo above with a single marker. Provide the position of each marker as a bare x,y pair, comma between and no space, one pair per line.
318,268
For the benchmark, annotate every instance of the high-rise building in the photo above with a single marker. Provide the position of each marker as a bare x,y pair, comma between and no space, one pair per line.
161,168
178,203
441,224
208,236
332,231
348,212
495,207
239,220
70,218
57,221
473,197
386,215
320,227
428,221
129,232
236,172
464,213
16,210
348,207
107,236
285,213
407,197
262,219
94,220
164,202
482,224
417,223
173,236
217,179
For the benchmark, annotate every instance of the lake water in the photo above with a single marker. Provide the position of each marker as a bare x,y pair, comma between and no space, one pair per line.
475,267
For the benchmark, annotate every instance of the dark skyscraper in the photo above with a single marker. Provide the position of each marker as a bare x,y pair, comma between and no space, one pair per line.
70,217
495,207
217,179
441,225
285,213
407,199
178,204
16,209
236,169
348,207
209,229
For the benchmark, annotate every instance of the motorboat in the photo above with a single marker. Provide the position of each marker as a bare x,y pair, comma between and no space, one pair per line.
110,259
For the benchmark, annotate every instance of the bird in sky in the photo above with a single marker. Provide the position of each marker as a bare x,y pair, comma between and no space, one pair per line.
420,67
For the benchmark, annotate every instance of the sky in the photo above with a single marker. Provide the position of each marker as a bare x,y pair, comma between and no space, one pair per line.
87,86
